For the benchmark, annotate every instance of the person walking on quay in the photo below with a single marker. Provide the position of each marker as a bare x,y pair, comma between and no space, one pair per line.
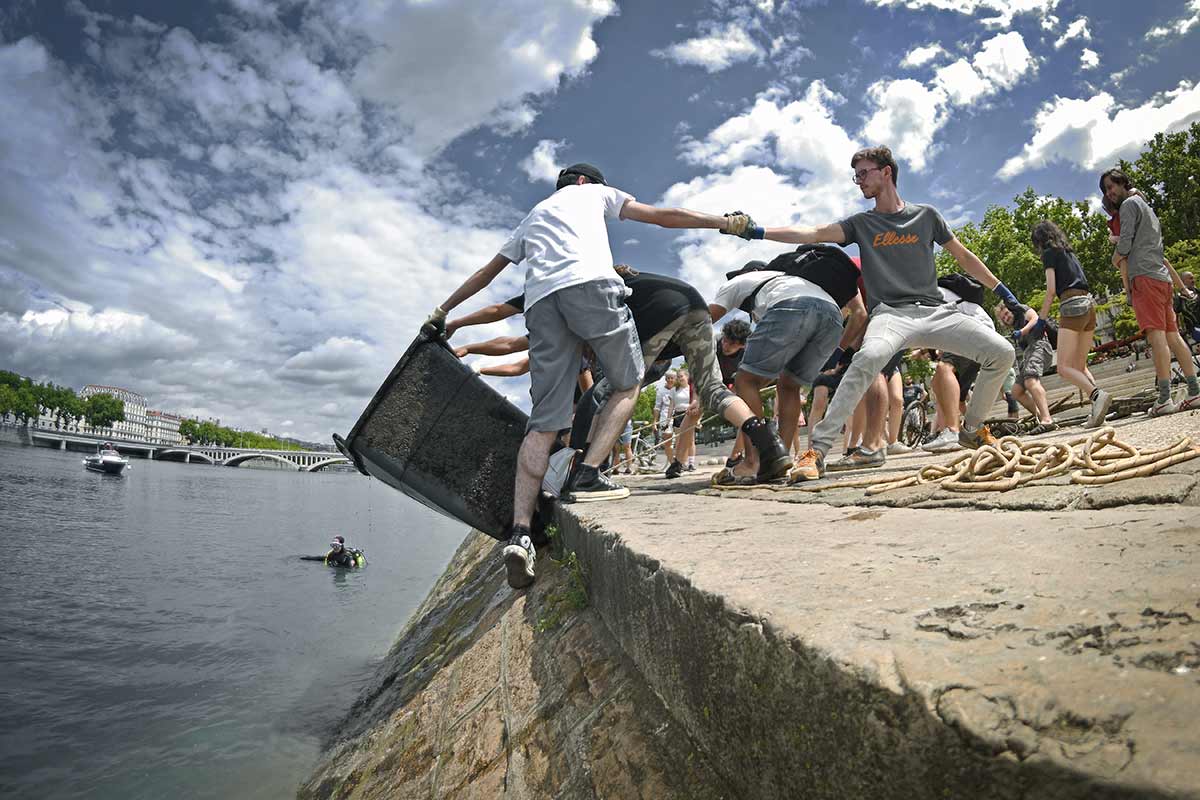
1147,278
896,241
799,324
1076,312
572,298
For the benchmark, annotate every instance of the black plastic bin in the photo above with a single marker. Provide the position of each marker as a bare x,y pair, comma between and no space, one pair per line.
441,435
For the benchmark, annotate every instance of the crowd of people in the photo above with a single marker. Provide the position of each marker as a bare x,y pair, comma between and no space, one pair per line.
822,321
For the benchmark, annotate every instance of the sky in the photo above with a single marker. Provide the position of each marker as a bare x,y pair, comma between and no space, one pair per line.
244,209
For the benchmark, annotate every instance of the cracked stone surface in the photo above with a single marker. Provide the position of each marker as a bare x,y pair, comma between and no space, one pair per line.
850,651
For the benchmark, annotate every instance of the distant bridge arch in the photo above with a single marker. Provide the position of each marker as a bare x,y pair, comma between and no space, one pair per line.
329,462
233,461
185,455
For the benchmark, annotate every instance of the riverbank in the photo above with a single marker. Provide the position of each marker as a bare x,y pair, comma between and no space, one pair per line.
793,644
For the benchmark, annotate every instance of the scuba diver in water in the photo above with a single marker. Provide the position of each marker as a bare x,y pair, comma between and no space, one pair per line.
339,555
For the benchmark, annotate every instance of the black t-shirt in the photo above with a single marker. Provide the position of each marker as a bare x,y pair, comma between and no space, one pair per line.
1067,272
656,302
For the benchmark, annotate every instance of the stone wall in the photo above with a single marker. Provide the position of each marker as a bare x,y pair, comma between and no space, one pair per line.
492,693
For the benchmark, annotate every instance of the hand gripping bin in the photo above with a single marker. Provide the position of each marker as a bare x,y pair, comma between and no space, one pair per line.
440,434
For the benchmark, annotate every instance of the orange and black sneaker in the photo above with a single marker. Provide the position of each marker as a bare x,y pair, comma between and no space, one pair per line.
973,440
808,467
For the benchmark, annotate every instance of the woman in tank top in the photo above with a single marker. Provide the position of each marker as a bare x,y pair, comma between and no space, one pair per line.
1076,311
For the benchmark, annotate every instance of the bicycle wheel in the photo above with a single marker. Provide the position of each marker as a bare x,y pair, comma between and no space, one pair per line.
912,427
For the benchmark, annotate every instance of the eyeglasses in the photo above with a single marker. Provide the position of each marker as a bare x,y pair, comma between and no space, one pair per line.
860,174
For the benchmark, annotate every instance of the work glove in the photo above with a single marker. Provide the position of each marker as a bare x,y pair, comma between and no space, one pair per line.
435,326
1010,301
741,225
1017,337
1035,332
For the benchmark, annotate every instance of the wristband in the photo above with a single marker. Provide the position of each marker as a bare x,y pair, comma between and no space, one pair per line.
1004,293
755,232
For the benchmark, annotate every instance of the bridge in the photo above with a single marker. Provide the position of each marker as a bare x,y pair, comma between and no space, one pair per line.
301,460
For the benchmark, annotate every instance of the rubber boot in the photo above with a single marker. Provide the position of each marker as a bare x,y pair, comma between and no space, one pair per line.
773,458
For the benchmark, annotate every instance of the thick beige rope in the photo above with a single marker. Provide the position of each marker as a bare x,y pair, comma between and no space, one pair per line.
1092,460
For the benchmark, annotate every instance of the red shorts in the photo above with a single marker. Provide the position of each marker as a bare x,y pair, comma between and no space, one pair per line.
1152,304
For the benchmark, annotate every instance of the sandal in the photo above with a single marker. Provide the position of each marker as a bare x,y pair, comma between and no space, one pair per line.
726,477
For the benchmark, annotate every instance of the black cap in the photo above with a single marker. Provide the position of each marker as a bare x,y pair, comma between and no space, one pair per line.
749,266
586,170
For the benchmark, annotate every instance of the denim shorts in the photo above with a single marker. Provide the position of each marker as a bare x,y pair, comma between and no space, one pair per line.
794,338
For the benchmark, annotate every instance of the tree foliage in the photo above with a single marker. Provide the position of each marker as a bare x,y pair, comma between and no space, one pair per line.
208,432
1167,171
1002,241
103,410
643,410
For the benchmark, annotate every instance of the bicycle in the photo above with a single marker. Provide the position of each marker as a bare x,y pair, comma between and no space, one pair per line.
916,424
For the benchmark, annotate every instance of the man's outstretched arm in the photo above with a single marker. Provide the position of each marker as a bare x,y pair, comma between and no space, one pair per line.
682,218
832,233
492,313
435,325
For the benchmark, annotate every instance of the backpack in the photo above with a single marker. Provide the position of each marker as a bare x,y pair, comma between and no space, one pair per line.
825,265
964,286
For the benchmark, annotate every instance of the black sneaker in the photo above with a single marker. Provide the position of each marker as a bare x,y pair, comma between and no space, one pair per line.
675,470
590,484
519,557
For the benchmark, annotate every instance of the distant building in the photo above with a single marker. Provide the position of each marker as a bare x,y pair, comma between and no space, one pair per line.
134,426
163,428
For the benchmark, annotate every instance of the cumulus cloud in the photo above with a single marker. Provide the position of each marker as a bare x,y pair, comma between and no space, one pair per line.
919,56
246,226
1089,59
910,113
1076,30
416,69
1096,131
1003,11
542,164
1180,26
785,160
720,48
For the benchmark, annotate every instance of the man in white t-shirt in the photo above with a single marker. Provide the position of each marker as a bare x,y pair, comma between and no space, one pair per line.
572,297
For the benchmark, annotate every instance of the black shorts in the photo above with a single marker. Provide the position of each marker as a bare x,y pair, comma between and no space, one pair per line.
889,369
677,420
830,382
966,370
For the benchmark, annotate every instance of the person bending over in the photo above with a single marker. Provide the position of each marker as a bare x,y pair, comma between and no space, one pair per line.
799,326
1034,354
572,298
896,241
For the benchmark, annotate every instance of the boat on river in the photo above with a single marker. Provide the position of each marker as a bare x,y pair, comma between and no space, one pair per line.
106,460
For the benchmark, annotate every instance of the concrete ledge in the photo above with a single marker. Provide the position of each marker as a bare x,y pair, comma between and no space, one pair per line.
815,651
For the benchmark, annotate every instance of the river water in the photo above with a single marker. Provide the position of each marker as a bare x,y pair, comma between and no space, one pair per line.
159,636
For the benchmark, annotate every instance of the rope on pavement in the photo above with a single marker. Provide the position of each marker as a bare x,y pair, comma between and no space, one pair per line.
1092,460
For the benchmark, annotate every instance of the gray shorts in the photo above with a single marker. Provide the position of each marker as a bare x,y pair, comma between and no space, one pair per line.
1033,361
559,324
794,338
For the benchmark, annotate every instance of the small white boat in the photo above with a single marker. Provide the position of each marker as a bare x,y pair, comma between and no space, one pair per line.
107,459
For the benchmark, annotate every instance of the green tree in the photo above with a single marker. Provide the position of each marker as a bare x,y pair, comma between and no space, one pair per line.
1002,241
24,404
1167,171
69,406
102,410
643,410
1185,256
188,429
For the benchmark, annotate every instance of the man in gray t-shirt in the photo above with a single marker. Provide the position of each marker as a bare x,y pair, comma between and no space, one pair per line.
895,241
1148,279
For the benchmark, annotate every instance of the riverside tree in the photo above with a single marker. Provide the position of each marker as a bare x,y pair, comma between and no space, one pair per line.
102,410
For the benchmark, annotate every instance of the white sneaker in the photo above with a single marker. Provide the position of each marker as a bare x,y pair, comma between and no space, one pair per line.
898,448
1162,409
518,560
944,442
1100,407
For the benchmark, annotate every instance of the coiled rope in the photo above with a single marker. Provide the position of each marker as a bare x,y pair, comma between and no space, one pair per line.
1092,460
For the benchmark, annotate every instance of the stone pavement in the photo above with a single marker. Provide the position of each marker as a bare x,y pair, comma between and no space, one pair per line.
1038,643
